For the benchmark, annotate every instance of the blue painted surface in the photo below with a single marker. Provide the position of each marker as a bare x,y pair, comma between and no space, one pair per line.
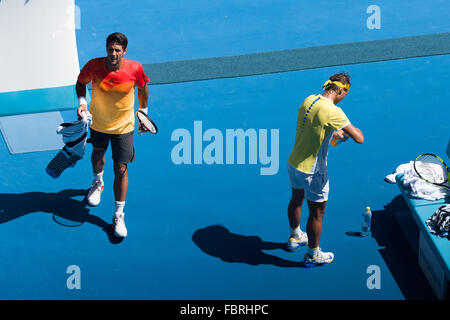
32,132
159,31
216,231
448,149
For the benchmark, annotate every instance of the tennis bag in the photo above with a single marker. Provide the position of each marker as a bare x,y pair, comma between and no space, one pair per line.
439,222
74,137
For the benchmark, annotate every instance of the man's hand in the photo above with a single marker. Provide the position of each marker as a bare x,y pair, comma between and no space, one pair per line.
81,108
140,127
338,134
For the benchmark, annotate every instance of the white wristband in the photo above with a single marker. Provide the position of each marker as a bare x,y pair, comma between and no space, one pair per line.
144,110
82,100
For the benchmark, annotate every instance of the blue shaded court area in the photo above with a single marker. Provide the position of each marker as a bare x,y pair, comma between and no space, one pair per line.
217,231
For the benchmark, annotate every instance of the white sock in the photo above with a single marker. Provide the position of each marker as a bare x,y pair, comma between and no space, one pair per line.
312,252
119,208
98,176
295,232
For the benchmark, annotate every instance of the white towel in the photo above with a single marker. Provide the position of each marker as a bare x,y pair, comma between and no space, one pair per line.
419,187
74,131
75,138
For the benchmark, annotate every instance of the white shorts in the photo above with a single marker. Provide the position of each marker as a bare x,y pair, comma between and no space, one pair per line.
316,185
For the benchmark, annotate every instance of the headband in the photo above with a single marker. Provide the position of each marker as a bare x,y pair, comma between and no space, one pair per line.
338,83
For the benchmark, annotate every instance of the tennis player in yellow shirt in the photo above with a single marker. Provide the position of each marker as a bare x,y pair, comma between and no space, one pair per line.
319,120
112,107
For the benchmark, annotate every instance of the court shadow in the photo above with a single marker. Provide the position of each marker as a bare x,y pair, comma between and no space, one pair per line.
218,242
398,253
61,204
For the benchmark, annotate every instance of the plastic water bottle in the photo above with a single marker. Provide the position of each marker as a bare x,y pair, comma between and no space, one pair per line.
367,218
335,141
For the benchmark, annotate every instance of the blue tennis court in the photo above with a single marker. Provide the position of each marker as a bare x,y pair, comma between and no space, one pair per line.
210,223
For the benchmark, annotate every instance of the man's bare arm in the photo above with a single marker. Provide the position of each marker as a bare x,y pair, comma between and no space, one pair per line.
80,89
143,94
354,133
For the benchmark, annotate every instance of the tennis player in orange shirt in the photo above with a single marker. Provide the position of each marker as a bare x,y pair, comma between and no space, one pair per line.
112,107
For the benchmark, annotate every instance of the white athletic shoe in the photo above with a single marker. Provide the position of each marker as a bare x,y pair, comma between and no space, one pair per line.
119,225
319,259
295,243
95,192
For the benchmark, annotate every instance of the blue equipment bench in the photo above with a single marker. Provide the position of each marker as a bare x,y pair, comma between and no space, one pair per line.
433,251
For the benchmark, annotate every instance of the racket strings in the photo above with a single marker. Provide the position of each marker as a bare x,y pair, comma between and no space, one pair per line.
431,169
147,124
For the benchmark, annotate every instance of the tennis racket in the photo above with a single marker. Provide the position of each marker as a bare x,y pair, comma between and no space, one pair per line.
432,169
147,124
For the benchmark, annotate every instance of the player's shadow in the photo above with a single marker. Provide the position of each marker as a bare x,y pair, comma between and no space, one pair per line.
61,204
218,242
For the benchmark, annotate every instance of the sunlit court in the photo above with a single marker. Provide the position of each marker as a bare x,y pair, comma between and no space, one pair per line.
207,195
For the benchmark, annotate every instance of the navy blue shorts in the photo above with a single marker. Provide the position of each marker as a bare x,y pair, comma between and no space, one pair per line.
121,145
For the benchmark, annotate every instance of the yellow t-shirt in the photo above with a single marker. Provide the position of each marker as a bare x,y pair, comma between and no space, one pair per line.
112,104
317,119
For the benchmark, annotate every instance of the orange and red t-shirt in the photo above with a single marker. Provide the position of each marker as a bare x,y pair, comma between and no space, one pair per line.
112,103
